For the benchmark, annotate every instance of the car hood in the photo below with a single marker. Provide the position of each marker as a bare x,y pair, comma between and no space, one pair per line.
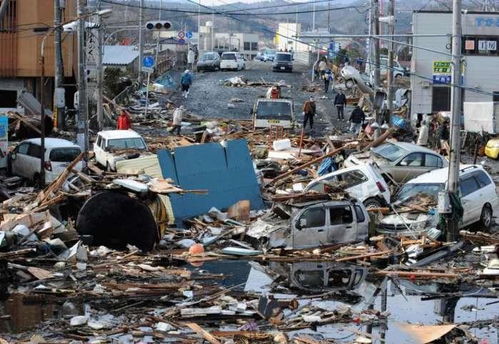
364,158
407,218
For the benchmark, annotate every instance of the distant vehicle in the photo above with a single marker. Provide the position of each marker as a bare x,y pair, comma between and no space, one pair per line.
232,61
269,55
363,182
398,70
209,61
259,56
24,160
492,148
268,112
399,161
283,62
477,192
321,224
115,145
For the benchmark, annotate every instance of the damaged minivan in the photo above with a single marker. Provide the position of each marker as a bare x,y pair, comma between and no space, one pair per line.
476,190
315,225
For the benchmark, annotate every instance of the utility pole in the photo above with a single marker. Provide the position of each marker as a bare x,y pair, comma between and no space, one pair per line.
391,47
313,18
141,39
82,126
59,101
100,72
455,139
375,22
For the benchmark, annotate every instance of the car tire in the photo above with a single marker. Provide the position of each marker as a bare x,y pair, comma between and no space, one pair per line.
37,180
108,167
349,83
486,218
372,202
398,76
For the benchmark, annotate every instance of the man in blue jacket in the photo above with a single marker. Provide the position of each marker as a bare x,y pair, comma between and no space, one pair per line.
186,82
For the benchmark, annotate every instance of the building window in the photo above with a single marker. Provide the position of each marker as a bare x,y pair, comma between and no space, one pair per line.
440,98
495,96
247,46
480,45
254,46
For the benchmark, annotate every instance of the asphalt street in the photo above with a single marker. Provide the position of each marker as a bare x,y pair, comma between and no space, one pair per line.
209,98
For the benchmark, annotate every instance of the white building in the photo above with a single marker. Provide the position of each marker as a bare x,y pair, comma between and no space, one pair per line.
430,78
245,43
286,38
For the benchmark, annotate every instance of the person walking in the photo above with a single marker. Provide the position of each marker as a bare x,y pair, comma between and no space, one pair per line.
340,101
309,112
328,77
186,82
443,136
322,68
357,118
178,114
191,57
424,131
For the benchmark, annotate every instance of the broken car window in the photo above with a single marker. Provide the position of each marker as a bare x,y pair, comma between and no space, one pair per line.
413,159
352,178
359,213
64,154
311,218
389,151
273,110
132,143
468,185
340,215
409,191
23,148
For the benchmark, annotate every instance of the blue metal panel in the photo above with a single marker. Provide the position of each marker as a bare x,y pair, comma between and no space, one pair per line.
226,172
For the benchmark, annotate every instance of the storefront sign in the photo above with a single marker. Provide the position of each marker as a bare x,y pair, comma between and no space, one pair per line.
442,72
487,22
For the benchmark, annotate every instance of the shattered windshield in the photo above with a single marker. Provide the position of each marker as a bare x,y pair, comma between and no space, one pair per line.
130,143
389,151
412,191
273,110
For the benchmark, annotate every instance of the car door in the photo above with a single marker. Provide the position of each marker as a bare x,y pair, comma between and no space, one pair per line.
487,189
410,166
309,228
433,161
19,160
470,199
33,160
341,225
362,219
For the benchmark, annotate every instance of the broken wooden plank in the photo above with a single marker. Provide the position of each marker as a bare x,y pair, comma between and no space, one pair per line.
205,334
362,256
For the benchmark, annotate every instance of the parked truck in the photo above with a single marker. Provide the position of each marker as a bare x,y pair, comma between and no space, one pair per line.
269,112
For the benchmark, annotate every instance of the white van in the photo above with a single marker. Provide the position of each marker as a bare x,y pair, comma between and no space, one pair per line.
476,189
232,61
115,145
363,182
270,112
25,159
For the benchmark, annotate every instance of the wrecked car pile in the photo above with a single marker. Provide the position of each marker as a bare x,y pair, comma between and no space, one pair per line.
128,256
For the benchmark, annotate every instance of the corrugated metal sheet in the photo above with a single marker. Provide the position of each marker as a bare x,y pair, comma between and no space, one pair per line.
119,55
226,172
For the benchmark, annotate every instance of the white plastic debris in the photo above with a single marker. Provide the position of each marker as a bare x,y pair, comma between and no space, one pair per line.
79,320
24,231
185,243
164,327
280,145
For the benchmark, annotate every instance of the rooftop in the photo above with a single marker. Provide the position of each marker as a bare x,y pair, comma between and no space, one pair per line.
119,55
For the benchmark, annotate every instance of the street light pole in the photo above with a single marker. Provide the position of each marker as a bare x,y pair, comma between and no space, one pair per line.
82,126
455,138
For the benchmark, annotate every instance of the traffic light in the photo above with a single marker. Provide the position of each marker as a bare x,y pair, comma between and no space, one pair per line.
158,25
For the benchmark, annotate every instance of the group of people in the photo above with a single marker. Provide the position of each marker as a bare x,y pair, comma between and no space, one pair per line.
357,117
434,135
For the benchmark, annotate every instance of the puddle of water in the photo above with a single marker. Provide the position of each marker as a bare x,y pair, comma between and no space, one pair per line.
405,301
22,313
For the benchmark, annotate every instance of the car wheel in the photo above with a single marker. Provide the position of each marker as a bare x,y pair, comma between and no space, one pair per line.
486,217
372,203
398,76
349,83
37,180
108,167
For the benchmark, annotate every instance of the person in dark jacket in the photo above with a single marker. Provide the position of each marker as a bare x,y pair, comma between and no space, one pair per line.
443,134
309,112
186,82
340,101
356,120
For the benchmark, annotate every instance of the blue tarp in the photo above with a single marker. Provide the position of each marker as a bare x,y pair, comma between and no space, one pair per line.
226,172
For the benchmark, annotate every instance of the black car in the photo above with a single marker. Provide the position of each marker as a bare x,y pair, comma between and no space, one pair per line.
209,61
283,62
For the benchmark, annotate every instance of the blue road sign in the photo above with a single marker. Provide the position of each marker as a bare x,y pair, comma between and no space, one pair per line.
188,34
148,61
